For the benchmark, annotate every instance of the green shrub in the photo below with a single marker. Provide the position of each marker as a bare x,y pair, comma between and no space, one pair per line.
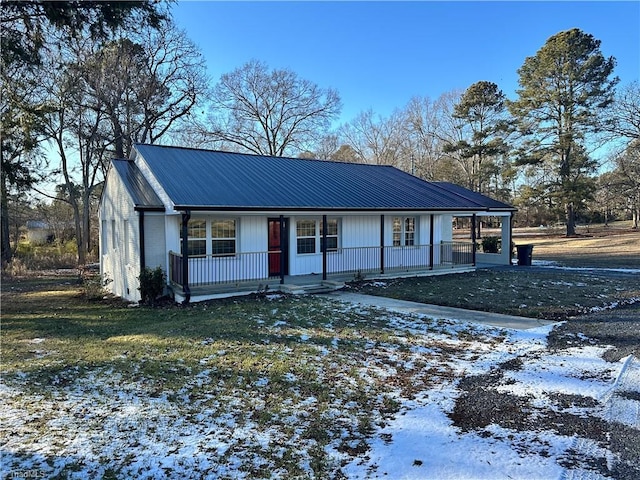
491,244
152,282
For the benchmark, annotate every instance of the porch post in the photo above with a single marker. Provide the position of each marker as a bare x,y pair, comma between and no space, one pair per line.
283,232
431,236
473,238
324,247
184,250
509,248
381,243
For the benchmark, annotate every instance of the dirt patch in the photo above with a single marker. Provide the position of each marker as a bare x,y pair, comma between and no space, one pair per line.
481,404
618,327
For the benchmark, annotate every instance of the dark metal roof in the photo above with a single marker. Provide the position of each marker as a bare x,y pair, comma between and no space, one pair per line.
486,201
205,179
144,197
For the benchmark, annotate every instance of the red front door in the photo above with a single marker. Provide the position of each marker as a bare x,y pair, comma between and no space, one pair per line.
278,243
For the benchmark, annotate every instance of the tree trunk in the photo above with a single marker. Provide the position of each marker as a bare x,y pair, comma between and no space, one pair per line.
571,225
7,254
86,220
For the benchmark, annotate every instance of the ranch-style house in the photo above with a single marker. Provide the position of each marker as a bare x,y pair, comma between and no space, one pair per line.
219,222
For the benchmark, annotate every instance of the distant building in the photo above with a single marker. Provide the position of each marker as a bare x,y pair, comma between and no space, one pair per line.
39,232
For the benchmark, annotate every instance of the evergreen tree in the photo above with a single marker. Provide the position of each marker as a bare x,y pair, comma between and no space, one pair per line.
564,88
481,111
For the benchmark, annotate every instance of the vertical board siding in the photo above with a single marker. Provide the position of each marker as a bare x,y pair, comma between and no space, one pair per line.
117,212
155,244
361,231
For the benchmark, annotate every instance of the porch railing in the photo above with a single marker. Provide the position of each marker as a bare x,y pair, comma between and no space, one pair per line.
391,259
221,269
254,266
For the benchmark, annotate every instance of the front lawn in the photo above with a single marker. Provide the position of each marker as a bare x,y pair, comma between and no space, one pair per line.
529,292
289,387
259,387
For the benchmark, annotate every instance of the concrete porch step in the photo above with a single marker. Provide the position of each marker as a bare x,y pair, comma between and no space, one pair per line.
323,287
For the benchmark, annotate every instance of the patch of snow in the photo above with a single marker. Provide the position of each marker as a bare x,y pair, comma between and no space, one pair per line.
103,421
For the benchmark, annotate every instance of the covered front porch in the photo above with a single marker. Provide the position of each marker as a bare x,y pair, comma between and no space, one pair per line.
210,276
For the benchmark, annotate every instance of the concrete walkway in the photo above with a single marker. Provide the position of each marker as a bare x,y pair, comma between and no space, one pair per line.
436,311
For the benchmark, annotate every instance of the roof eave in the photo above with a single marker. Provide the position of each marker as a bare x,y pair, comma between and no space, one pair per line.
149,208
228,208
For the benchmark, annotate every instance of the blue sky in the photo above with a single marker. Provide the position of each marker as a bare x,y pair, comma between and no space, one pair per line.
379,55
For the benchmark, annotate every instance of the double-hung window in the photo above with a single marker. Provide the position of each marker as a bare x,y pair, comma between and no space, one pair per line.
306,236
332,234
217,236
223,237
404,231
309,235
196,238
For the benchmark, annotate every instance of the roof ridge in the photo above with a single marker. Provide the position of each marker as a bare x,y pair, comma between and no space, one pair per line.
251,154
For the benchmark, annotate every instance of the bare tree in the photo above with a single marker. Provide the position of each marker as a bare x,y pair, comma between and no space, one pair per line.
623,119
423,125
377,140
105,96
270,112
145,84
628,172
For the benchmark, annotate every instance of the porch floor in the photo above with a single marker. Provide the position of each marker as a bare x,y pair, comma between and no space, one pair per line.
303,284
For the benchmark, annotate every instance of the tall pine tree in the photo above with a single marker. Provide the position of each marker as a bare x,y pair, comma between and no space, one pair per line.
564,88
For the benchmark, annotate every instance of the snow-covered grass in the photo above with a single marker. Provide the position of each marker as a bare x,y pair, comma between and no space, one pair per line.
284,387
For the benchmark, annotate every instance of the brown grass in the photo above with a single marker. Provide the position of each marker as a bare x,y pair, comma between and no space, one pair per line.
617,246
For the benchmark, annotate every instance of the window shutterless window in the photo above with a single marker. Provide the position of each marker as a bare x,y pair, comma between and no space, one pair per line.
306,236
404,231
332,234
223,237
196,237
410,231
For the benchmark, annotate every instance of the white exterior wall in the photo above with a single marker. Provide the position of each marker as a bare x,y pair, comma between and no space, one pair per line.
504,257
357,231
445,228
155,244
119,240
251,246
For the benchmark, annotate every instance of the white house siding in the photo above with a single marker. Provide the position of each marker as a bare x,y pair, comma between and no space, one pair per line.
358,231
120,255
153,182
358,246
504,257
155,244
250,261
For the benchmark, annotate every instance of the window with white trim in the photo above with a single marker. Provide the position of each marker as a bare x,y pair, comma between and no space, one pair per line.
105,236
223,236
196,238
127,250
404,231
332,234
217,236
306,236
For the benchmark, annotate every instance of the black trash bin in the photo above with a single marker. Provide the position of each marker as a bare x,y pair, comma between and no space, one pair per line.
525,252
